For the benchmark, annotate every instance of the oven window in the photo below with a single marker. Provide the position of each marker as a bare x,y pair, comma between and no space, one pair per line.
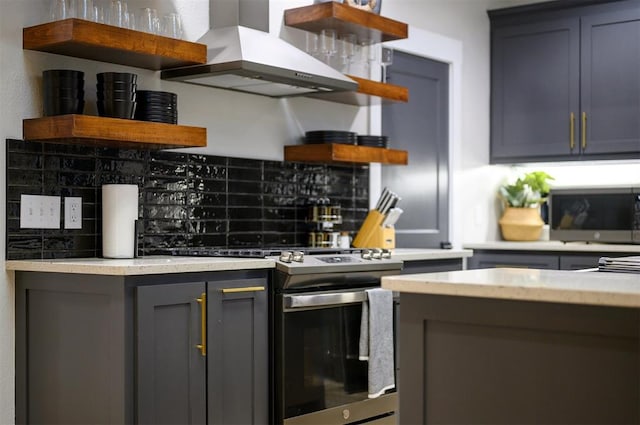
321,366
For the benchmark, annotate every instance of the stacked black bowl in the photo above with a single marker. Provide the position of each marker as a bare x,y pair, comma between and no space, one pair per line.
63,91
373,141
157,106
331,136
116,92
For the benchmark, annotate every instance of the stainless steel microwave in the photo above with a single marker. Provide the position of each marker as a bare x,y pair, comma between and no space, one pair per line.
605,214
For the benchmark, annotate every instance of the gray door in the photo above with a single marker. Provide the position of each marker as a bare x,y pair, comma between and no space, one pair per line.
238,352
421,127
170,368
610,82
534,90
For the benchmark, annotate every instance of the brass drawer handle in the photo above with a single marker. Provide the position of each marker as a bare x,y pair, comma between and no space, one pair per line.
245,289
203,324
572,132
584,130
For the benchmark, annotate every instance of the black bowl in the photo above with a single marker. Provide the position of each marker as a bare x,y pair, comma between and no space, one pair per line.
160,95
116,108
63,74
116,95
63,107
63,92
122,77
116,85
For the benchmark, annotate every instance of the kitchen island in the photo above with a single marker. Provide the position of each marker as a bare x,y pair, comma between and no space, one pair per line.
519,346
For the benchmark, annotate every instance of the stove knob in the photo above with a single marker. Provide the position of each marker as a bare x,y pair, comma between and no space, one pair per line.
386,253
298,256
286,256
366,254
376,254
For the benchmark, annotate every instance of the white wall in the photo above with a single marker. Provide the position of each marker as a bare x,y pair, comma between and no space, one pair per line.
257,127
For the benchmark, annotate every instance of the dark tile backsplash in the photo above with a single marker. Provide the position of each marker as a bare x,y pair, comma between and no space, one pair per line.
186,200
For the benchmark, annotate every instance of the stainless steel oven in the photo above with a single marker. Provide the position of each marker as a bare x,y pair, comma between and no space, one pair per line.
317,307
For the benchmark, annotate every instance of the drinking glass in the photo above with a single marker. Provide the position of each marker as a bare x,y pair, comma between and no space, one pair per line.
386,59
172,25
148,20
59,10
84,10
328,44
347,51
311,43
116,13
98,13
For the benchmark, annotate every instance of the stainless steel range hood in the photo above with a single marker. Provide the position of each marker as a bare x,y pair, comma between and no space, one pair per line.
243,56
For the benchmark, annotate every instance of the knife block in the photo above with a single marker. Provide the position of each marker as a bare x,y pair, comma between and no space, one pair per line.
373,234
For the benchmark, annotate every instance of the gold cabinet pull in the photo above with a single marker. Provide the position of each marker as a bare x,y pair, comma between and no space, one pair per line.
203,324
572,131
245,289
584,130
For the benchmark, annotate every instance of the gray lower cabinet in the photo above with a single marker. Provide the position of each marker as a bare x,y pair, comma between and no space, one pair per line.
487,361
538,259
565,82
167,349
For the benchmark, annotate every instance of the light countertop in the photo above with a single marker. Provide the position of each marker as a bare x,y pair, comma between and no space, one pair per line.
173,264
554,246
592,288
418,254
139,266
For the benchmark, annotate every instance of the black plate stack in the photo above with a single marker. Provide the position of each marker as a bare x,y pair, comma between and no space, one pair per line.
373,141
331,136
63,91
157,106
116,94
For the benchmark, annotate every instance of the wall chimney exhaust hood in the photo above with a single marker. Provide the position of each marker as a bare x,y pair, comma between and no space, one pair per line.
243,56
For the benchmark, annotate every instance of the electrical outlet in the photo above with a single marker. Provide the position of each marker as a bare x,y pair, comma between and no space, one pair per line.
39,212
72,212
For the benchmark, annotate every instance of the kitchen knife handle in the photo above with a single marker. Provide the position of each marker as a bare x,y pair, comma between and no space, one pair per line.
572,131
584,130
203,324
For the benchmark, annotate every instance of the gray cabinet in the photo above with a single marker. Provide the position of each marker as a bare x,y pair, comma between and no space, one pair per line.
130,349
558,260
170,369
237,351
203,352
565,83
489,260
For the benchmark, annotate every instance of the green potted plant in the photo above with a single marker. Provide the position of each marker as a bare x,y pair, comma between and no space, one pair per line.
521,219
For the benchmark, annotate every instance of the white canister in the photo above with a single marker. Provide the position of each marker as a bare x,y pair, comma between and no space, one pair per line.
119,215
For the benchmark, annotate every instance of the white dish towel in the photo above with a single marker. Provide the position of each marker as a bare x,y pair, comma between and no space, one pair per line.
376,340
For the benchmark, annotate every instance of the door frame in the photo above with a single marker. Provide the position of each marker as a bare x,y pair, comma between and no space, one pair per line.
447,50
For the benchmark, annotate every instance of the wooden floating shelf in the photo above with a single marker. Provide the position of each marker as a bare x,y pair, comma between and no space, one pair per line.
345,20
369,93
112,132
107,43
341,153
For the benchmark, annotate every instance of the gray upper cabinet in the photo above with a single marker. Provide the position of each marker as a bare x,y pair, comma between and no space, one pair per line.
565,84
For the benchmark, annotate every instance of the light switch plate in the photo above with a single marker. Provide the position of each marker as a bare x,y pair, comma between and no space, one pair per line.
72,212
39,212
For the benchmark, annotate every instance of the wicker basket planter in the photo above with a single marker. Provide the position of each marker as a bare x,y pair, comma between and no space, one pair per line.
521,224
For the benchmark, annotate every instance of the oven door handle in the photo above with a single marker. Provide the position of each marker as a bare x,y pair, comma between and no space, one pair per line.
292,302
